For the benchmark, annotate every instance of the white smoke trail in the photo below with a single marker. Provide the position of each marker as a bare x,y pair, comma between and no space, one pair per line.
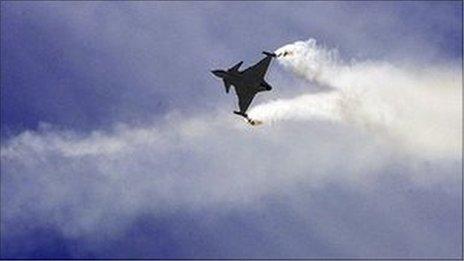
305,107
422,108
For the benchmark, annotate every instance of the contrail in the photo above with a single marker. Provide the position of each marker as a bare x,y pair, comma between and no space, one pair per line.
420,107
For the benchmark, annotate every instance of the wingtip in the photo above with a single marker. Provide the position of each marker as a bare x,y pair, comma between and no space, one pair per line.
269,54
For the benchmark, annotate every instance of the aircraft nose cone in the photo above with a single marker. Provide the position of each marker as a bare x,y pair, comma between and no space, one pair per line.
219,73
216,72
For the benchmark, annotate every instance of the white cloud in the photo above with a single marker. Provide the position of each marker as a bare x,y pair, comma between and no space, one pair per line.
87,185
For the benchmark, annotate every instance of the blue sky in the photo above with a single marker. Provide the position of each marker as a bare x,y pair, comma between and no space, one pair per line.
117,142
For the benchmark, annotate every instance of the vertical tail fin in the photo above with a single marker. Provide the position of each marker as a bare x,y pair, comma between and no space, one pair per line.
235,67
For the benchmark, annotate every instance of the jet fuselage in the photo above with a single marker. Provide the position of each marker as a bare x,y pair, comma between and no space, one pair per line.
252,83
247,83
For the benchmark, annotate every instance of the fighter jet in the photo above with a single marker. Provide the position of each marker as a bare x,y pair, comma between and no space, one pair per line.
247,83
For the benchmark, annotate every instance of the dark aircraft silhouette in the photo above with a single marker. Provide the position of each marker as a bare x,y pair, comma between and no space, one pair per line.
247,83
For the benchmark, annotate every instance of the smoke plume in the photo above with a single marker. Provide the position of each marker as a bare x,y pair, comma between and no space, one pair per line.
419,107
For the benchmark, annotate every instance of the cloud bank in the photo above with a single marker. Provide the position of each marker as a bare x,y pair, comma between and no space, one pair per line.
317,151
329,177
